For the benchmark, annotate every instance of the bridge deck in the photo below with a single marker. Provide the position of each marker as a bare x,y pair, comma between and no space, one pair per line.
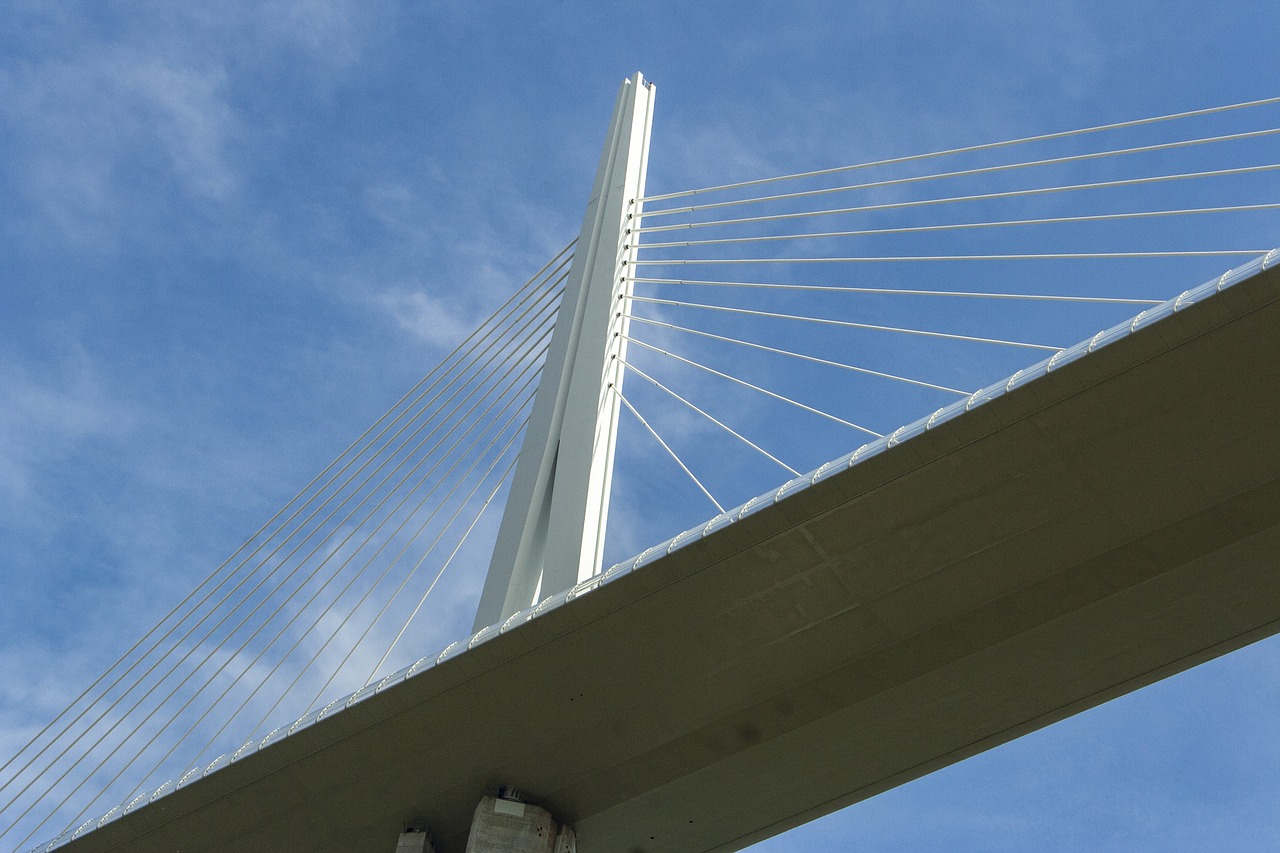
1095,530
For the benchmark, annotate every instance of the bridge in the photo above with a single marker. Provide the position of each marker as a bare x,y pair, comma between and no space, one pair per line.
1075,529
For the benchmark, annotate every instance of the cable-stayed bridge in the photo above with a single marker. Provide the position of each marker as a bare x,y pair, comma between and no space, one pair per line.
940,569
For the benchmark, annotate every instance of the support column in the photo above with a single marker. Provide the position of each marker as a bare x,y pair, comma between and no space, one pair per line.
507,824
415,839
552,531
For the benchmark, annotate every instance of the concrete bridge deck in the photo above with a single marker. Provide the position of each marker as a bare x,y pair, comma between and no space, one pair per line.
1102,527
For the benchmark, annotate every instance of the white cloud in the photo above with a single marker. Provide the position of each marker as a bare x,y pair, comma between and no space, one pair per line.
46,418
434,320
333,33
106,129
97,130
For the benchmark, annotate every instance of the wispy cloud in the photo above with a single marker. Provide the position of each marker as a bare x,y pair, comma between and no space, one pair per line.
434,320
106,131
47,415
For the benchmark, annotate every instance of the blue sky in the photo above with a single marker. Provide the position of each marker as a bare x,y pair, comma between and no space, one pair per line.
230,237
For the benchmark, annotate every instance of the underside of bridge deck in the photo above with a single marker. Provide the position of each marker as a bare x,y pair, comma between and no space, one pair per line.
1107,525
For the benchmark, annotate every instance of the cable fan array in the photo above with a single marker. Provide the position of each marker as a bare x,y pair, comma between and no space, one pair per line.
318,602
778,323
758,344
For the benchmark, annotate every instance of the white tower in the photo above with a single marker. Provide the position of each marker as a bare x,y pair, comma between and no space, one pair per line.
552,532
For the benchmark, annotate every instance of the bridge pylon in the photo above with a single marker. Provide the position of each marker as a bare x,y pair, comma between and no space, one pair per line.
552,530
